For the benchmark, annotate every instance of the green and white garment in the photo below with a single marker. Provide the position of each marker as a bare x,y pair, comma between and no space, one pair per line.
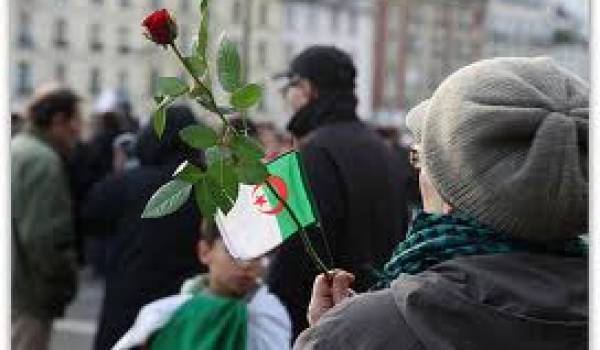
259,220
199,320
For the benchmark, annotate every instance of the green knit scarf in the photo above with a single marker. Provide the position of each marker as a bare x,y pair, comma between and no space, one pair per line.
435,238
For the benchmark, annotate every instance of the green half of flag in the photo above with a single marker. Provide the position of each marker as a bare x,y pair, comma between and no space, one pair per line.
296,193
205,322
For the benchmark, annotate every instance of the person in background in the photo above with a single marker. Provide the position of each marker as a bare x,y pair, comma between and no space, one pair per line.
227,308
146,259
112,117
356,181
124,157
496,261
16,123
392,138
44,272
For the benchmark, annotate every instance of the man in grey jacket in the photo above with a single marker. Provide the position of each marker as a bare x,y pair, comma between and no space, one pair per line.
497,262
44,275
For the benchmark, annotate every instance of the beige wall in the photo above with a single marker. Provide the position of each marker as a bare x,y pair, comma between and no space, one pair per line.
143,57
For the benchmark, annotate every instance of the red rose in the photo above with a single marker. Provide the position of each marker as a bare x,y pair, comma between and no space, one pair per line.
160,27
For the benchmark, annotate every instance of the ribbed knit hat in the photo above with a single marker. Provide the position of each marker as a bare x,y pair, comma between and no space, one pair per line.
415,117
506,141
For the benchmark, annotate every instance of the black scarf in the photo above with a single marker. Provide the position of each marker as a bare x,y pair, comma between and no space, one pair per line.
329,107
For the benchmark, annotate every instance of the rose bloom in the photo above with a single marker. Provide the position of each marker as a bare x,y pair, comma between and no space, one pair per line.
160,27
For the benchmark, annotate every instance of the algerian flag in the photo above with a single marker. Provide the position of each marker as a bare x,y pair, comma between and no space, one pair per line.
259,221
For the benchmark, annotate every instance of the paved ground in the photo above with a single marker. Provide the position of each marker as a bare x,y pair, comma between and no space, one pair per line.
76,331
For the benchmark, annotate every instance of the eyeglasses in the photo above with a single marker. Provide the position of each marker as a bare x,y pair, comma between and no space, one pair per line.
294,81
414,157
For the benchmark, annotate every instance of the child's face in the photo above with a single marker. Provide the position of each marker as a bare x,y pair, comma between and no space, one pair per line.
228,276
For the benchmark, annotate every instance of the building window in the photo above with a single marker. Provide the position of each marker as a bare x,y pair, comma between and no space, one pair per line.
123,47
262,54
25,37
153,81
60,30
289,16
95,42
123,82
312,19
353,22
289,52
335,19
60,72
24,79
95,83
125,3
184,5
236,12
464,22
264,14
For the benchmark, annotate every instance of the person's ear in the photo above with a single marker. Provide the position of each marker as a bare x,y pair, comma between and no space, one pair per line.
432,201
204,252
310,89
446,208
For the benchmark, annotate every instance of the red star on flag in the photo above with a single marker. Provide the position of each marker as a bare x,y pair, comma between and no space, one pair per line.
260,201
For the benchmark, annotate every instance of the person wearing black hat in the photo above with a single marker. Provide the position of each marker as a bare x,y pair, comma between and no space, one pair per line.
146,259
358,185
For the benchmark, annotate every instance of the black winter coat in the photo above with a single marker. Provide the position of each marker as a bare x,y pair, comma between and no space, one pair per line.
147,259
359,187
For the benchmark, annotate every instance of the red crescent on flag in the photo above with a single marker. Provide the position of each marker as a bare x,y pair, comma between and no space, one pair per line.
279,186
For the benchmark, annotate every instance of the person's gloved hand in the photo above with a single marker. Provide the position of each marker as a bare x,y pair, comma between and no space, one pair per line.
328,291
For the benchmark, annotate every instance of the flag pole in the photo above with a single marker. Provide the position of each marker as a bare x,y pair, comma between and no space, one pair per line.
307,245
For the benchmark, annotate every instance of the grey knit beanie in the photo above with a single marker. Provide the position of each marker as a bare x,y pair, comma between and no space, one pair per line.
414,117
506,141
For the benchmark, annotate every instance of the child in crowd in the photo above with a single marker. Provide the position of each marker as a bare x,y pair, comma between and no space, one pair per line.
228,308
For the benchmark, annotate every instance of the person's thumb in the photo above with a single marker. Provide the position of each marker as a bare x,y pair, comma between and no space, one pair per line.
341,283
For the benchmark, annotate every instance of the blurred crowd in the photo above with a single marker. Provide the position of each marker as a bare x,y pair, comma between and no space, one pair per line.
78,203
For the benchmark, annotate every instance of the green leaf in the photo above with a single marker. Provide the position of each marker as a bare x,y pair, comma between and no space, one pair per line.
246,97
225,177
188,172
202,41
198,136
159,121
159,118
167,199
251,172
216,154
221,199
171,86
197,65
228,65
204,198
210,196
246,148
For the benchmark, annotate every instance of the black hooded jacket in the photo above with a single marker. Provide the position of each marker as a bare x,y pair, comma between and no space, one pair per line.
147,258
